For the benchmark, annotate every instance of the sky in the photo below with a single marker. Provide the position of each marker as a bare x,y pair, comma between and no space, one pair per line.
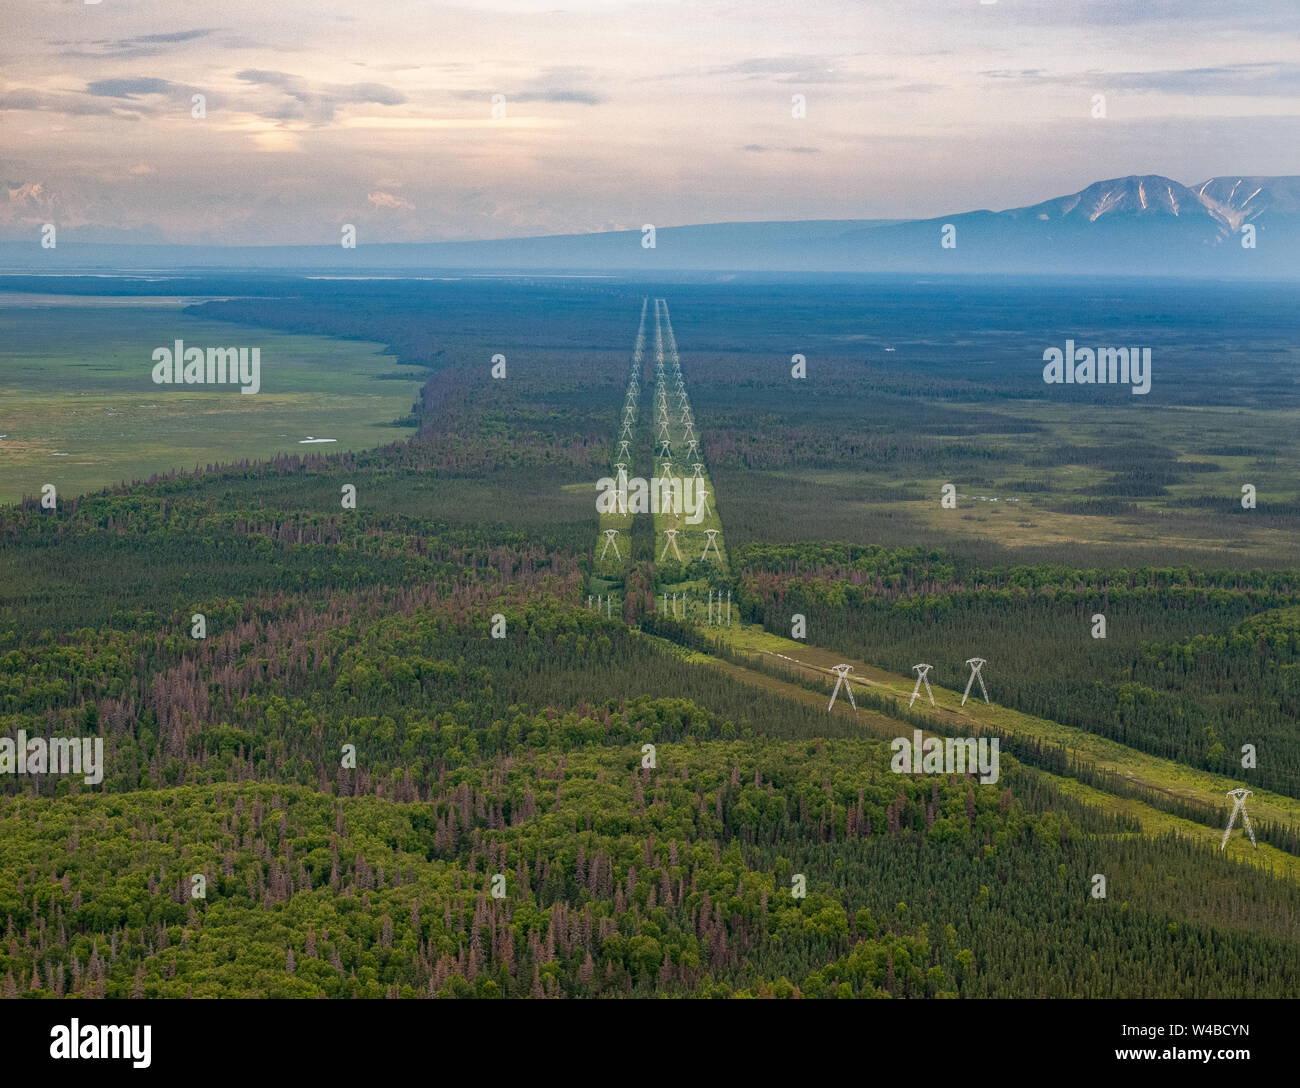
617,113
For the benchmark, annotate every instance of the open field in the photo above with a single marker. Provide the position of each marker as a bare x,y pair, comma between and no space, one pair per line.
78,407
1163,775
909,387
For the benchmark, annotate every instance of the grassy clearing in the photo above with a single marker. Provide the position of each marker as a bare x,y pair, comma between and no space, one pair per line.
1147,770
79,409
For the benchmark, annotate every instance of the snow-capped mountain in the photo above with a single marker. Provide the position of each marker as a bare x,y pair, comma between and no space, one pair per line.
1143,224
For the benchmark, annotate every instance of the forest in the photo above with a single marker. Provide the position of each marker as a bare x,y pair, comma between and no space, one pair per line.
1178,640
350,787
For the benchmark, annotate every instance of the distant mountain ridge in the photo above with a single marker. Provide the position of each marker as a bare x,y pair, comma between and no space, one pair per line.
1142,224
1230,202
1246,199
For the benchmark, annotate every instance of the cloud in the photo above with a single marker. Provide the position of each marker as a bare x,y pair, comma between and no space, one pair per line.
30,194
30,204
129,88
174,36
50,102
560,83
1187,16
143,45
789,69
131,92
797,150
316,106
260,75
367,92
1175,62
585,98
1257,79
388,200
1025,75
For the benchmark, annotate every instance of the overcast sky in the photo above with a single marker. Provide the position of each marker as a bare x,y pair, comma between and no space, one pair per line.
617,112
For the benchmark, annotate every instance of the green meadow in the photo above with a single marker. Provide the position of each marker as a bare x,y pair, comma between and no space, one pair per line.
79,409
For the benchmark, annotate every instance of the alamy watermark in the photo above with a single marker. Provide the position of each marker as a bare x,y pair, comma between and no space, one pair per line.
1105,366
950,755
179,365
58,755
114,1041
659,495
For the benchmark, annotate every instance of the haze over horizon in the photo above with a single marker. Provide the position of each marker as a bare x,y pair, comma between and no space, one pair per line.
641,112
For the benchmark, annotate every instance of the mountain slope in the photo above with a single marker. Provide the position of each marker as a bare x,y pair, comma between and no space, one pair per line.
1240,200
1148,196
1137,225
